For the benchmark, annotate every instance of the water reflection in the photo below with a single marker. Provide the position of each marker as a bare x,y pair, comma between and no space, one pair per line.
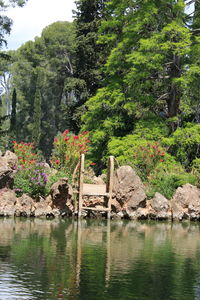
69,259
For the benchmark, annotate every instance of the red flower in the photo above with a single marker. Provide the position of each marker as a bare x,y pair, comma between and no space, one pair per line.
93,164
57,161
76,137
55,140
161,160
66,131
66,139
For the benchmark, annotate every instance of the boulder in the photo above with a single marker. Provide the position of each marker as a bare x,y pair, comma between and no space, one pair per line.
24,206
6,177
43,208
10,158
159,207
8,163
7,202
98,179
128,191
61,194
186,203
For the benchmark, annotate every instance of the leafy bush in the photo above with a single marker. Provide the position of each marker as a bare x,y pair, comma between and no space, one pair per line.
158,169
32,175
196,169
31,180
54,178
166,184
67,150
184,143
141,154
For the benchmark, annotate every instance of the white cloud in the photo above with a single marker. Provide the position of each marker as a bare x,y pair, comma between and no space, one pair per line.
30,20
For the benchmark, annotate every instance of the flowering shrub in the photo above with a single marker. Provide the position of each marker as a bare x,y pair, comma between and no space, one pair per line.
25,153
67,150
148,157
32,175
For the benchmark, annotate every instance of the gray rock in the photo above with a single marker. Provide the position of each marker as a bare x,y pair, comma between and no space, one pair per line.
43,208
7,164
186,203
128,191
7,202
24,206
61,194
160,207
10,158
6,177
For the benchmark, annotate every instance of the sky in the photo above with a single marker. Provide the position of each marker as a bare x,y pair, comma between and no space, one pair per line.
30,20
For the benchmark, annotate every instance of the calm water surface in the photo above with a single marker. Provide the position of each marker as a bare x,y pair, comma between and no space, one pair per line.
66,259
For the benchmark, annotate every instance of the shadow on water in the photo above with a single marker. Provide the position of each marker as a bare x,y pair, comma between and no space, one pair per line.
101,259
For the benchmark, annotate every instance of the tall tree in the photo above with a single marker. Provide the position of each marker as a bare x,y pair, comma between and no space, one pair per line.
89,54
53,55
37,110
149,47
13,112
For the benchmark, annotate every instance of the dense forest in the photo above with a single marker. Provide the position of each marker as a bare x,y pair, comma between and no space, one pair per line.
126,71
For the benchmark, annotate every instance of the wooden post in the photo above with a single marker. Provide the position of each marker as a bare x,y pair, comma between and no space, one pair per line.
108,254
110,182
80,197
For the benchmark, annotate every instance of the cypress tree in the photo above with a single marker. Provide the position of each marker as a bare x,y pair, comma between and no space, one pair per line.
36,130
89,58
13,112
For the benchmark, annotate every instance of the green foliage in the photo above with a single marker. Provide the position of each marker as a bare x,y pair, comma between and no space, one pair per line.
54,177
36,130
32,180
43,71
166,184
184,143
196,169
13,112
166,177
149,130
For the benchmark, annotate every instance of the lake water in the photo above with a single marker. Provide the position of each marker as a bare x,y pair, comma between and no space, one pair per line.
66,259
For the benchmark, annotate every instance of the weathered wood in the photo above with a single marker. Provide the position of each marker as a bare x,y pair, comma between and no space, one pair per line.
95,208
94,189
80,198
110,182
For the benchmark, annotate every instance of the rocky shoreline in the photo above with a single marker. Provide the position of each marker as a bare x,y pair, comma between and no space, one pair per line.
129,199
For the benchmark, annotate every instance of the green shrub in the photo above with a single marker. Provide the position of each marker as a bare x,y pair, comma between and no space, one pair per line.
54,178
31,180
196,169
142,155
166,184
184,143
31,175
